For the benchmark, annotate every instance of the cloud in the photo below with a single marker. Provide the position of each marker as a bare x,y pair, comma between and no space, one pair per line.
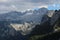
4,8
45,6
3,0
21,5
13,7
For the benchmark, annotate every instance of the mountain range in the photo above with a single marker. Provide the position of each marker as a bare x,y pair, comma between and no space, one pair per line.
43,19
27,16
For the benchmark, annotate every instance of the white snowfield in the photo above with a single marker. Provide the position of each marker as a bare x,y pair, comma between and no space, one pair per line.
25,28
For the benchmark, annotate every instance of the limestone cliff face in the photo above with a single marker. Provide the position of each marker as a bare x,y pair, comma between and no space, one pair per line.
25,28
55,17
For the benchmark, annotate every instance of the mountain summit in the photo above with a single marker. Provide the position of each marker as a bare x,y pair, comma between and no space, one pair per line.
31,15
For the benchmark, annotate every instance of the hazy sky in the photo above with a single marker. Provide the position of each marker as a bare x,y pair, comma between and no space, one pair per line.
21,5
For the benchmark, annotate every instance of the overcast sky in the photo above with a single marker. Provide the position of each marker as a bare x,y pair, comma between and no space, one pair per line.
21,5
